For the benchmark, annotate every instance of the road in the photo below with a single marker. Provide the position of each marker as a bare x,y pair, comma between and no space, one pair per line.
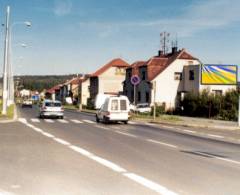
78,156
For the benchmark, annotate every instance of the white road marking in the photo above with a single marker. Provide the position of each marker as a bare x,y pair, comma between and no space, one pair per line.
228,160
76,121
88,121
81,151
108,164
139,179
151,124
217,136
35,120
22,120
149,184
132,122
127,134
162,143
62,121
61,141
102,127
48,135
49,120
189,131
37,129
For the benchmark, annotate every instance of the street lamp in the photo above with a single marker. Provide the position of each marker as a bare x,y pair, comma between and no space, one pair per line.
8,84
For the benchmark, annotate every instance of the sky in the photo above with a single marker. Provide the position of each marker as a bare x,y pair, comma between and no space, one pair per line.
80,36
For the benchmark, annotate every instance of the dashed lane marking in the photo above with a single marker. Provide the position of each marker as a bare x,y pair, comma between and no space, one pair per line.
88,121
216,136
134,177
62,121
132,122
127,134
189,131
102,127
162,143
76,121
35,120
49,120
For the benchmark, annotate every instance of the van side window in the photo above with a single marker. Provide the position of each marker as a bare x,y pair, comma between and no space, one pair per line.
123,105
114,105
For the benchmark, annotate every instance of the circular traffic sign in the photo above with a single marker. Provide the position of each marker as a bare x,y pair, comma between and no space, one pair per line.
135,80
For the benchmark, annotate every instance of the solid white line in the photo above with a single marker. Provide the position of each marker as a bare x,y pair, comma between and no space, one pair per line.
139,179
61,141
81,151
127,134
108,164
88,121
62,121
149,184
189,131
37,129
217,136
162,143
35,120
76,121
48,134
228,160
49,120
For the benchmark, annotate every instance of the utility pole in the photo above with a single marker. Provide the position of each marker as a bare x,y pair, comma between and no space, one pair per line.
5,64
154,100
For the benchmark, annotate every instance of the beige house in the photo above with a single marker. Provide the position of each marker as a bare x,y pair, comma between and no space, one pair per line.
108,79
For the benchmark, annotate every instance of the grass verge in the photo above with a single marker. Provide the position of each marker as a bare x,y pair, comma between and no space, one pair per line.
10,111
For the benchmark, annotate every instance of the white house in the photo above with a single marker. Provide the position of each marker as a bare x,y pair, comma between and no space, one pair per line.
166,78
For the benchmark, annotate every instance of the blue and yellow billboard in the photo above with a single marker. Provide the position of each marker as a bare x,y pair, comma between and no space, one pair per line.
212,74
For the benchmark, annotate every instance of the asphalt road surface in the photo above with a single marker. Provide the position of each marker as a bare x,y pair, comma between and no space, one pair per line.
78,156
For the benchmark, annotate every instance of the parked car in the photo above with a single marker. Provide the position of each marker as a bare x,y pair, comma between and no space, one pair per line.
50,108
143,108
27,103
114,109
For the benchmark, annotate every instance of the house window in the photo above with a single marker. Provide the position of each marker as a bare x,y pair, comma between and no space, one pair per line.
129,74
147,96
217,92
143,75
114,105
139,96
191,75
178,76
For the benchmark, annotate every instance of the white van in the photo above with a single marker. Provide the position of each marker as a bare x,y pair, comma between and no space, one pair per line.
100,99
114,109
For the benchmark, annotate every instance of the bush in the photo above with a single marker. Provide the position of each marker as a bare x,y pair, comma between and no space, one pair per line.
159,110
205,104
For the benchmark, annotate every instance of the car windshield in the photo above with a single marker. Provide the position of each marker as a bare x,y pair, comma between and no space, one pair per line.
53,104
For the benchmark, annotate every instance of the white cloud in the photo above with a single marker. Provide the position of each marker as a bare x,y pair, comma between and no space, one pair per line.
62,7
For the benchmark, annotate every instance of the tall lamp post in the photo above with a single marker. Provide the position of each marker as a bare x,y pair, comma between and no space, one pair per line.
5,64
8,80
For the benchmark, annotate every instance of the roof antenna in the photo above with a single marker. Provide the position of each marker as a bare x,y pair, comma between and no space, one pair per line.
164,41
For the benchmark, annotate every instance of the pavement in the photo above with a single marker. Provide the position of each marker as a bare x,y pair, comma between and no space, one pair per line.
76,155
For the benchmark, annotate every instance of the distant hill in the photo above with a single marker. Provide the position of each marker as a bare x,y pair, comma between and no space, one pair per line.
40,82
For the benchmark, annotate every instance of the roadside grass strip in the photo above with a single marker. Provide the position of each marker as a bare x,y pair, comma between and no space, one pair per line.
114,167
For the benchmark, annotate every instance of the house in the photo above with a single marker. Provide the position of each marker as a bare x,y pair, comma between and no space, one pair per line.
108,79
84,87
53,93
164,73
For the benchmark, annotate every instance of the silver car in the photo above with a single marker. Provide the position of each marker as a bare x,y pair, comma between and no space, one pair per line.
50,108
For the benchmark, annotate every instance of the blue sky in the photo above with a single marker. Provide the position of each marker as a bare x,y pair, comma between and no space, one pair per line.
79,36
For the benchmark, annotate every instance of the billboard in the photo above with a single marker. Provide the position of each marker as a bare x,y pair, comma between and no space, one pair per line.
213,74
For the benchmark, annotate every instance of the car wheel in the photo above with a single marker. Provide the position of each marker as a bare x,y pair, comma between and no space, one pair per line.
97,119
61,117
105,120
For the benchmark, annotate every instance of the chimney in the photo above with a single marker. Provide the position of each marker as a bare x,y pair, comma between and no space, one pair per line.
174,50
160,53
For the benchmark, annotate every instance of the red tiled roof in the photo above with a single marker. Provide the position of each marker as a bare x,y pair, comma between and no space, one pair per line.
114,63
53,89
157,64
